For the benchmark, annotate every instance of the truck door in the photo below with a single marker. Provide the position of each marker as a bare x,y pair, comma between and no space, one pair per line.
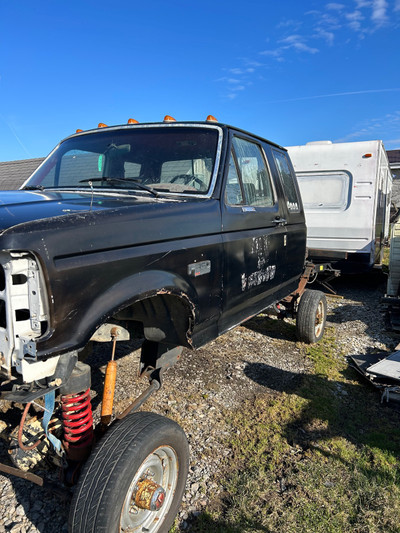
253,232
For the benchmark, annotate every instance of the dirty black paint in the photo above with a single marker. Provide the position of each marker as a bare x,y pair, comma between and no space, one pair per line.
100,253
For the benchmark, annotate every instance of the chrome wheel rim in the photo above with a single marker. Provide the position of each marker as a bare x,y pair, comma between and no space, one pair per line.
161,467
319,319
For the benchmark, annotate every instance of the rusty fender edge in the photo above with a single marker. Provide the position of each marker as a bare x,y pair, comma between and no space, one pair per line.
192,308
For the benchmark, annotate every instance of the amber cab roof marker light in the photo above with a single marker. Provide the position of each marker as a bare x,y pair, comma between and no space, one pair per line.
102,125
78,131
132,121
168,118
367,155
210,118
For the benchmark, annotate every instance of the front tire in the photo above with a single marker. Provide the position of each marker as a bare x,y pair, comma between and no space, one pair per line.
143,450
311,316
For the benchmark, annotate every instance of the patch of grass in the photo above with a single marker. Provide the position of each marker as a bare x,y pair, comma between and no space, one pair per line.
385,260
328,360
320,459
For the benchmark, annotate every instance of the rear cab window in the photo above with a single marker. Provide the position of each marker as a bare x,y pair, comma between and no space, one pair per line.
288,180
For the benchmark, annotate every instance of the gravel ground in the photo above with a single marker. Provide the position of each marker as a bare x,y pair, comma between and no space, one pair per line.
200,389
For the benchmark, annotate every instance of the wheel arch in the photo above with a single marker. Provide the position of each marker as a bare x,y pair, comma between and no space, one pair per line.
164,302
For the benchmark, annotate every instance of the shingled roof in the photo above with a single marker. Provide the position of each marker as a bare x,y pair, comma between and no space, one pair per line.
14,173
394,156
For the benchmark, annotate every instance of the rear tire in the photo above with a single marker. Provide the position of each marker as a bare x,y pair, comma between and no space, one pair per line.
142,446
311,316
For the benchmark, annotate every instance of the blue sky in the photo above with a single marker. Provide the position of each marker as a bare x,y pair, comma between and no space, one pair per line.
290,71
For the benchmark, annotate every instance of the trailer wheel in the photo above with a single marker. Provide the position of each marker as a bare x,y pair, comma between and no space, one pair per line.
311,316
134,479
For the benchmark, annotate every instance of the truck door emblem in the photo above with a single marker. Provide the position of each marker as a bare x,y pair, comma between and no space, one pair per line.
199,269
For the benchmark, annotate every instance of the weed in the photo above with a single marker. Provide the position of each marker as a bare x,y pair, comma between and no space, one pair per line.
322,458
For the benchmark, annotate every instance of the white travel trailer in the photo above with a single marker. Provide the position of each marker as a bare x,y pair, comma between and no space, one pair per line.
346,190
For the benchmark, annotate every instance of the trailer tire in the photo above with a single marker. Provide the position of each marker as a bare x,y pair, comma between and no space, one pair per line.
140,449
311,316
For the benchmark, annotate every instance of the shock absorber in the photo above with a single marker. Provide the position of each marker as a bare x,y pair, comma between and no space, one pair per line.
77,415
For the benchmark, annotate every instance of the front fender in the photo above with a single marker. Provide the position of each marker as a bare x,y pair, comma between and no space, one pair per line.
122,294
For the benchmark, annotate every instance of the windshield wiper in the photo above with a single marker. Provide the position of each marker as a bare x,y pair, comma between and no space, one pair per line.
123,180
33,188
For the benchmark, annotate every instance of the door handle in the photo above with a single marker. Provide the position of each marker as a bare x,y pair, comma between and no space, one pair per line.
279,221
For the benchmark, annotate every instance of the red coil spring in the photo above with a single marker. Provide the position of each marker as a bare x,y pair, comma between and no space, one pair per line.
78,419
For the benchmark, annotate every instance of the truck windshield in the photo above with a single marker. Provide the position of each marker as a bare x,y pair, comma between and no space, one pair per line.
165,159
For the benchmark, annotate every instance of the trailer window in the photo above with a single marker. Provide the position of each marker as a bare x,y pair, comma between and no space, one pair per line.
287,179
325,190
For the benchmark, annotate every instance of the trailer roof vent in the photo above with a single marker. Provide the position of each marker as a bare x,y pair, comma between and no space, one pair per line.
319,142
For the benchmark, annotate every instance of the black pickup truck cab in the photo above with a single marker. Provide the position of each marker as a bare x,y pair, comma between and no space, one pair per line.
173,231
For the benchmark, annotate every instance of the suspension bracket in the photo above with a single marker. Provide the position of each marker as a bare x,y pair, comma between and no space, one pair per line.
65,365
156,358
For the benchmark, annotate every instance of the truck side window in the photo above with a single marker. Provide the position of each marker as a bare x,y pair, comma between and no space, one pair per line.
254,173
233,192
282,164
